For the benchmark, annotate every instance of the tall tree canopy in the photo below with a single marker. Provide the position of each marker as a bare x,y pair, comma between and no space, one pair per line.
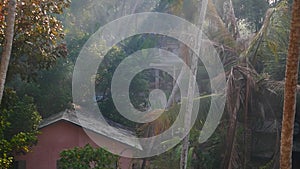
37,44
38,35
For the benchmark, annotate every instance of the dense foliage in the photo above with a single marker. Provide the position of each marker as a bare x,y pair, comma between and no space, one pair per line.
252,12
37,45
87,157
40,75
37,38
19,124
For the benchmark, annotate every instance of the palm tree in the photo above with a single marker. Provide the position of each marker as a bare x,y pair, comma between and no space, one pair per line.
291,76
9,33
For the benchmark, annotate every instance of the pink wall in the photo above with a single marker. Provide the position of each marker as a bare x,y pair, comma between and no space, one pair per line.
57,137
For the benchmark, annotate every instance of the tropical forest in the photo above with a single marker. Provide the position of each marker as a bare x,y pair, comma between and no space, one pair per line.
149,84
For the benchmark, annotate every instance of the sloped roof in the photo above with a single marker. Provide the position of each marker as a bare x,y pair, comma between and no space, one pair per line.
121,134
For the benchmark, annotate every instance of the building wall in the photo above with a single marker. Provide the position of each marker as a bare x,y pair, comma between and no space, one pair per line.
57,137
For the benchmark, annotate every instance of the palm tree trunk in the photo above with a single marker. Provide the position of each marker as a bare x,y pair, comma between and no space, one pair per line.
9,33
188,115
290,89
191,88
230,19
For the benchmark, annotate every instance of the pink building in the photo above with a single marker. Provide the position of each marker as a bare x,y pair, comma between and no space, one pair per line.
64,131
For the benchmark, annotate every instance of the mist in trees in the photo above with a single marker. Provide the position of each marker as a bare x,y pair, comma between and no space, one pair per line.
250,36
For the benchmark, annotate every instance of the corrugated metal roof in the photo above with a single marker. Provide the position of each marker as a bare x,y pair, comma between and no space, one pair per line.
120,134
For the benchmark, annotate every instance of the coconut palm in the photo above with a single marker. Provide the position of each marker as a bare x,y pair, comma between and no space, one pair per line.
291,76
9,33
248,91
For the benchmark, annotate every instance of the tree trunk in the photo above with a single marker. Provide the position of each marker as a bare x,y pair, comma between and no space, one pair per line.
9,33
188,115
291,76
230,19
191,87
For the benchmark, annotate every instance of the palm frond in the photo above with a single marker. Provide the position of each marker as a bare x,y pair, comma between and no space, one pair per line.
270,44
